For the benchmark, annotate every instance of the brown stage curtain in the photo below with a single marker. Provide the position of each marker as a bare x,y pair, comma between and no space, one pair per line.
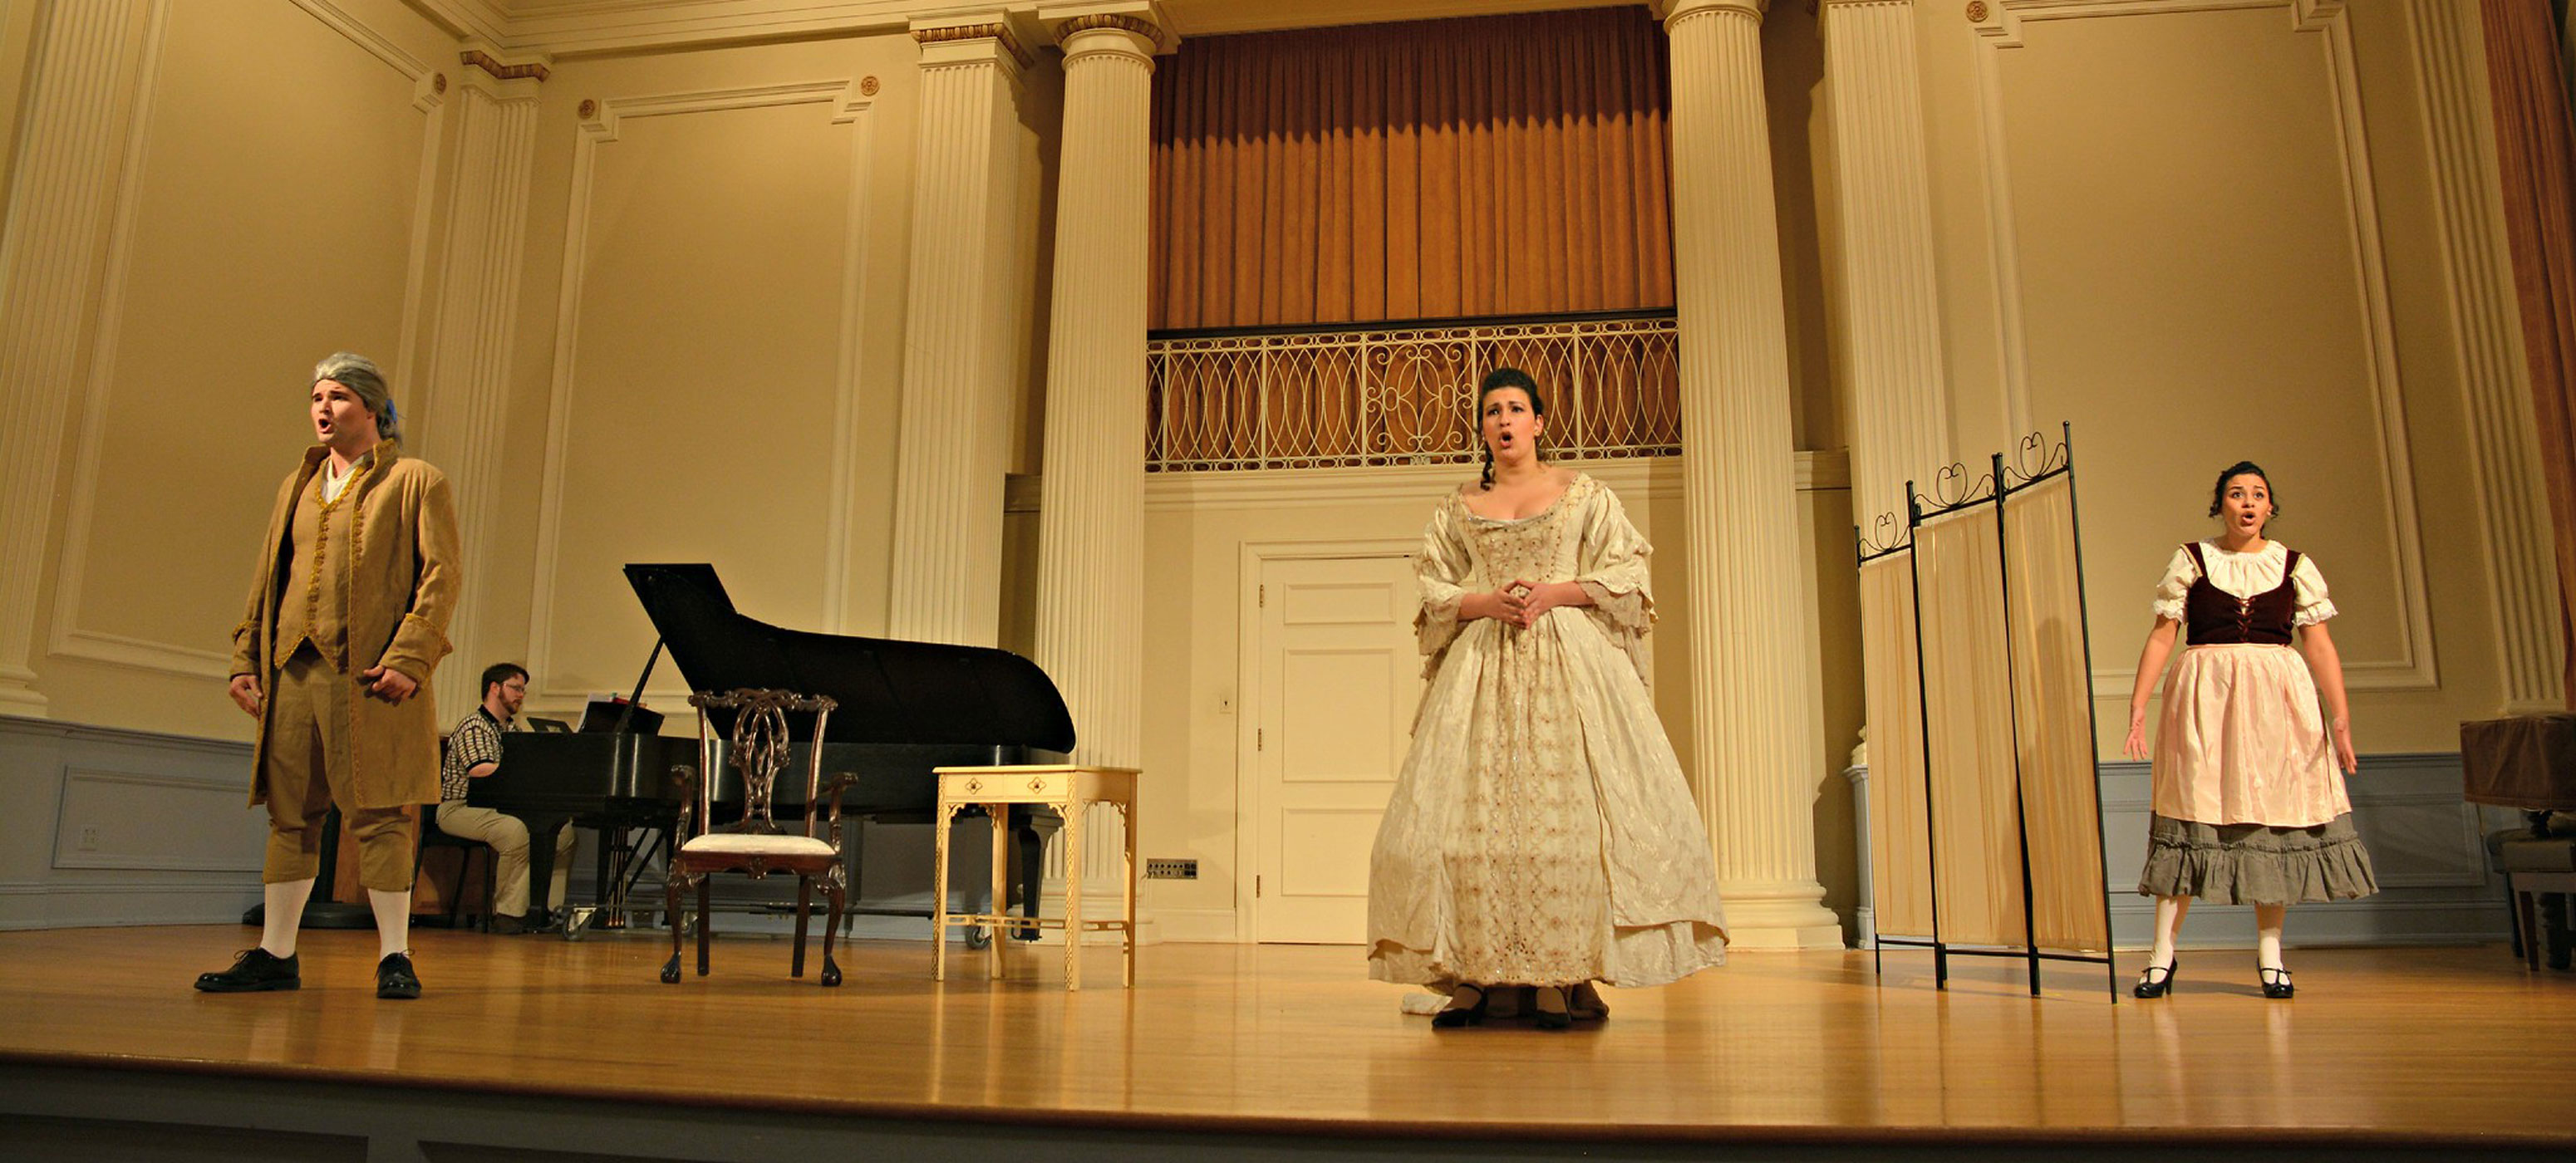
1467,168
2536,153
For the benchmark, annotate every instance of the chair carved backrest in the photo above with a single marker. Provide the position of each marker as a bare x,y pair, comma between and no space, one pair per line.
758,748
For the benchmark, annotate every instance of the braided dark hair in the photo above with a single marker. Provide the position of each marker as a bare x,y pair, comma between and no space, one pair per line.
1495,381
2218,492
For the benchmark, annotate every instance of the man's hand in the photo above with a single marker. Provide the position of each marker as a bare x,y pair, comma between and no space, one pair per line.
245,693
384,682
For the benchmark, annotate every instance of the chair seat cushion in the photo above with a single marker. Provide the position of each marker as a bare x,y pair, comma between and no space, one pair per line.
729,843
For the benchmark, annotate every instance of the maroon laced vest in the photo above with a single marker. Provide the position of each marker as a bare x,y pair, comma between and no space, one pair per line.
2212,615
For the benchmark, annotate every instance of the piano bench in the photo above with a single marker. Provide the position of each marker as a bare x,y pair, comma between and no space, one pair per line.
1070,789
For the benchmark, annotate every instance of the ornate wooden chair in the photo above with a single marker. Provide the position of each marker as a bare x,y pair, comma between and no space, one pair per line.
756,844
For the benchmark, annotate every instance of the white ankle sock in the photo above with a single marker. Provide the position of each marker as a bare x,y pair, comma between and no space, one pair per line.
281,914
393,921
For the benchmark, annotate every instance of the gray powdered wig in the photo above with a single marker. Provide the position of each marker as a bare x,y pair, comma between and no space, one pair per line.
359,374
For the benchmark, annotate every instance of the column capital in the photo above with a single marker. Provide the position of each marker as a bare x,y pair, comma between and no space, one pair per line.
1144,19
1673,12
964,37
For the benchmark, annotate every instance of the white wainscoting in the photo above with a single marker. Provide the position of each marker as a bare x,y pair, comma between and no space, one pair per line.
101,826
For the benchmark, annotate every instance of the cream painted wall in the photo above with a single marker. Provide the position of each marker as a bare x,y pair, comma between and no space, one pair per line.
2203,234
259,227
685,375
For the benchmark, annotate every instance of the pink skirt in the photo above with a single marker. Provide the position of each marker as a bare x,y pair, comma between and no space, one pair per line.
2243,741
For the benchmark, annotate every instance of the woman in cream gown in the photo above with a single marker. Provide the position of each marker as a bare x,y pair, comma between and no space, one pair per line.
1541,832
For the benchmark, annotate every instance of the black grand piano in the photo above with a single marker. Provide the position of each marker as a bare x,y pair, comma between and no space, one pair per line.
905,708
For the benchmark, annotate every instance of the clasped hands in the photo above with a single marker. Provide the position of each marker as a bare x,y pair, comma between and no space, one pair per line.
1521,602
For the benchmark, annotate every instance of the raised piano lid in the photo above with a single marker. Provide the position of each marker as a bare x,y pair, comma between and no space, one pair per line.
889,691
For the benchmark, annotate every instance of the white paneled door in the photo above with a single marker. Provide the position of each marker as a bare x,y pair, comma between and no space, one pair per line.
1335,680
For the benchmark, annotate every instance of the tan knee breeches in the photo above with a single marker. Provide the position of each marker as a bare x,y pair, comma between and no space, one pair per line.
308,770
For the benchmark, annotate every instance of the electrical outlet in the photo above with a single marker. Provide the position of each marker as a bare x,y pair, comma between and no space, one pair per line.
88,838
1171,869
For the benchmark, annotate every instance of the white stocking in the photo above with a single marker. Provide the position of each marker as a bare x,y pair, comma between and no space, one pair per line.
393,921
281,914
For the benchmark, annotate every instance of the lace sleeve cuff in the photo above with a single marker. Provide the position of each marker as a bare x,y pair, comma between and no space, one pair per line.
2169,609
2318,611
1631,610
1435,626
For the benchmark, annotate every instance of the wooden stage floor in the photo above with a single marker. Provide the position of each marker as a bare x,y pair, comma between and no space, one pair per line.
2388,1048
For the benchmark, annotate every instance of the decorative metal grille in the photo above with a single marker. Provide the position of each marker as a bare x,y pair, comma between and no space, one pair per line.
1406,396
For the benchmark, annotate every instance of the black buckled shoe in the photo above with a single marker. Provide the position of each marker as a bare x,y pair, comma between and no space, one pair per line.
254,970
2276,982
394,978
2157,981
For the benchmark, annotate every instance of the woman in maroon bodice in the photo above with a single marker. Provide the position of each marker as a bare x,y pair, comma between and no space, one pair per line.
2249,802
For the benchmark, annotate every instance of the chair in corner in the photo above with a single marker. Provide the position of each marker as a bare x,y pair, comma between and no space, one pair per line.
756,845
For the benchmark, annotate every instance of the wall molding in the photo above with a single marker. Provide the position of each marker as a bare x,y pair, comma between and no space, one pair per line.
68,637
2504,455
601,122
2006,28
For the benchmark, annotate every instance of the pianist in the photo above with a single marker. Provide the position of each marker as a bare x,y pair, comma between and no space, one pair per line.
347,618
474,751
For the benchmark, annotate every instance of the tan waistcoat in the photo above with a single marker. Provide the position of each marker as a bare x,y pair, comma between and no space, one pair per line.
318,548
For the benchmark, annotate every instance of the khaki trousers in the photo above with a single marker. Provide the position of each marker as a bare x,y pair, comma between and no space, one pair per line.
508,836
308,770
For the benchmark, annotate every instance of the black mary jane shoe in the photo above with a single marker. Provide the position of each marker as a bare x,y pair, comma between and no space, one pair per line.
2157,981
394,978
2276,982
1457,1016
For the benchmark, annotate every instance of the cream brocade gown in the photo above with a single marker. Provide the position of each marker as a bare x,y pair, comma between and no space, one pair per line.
1541,831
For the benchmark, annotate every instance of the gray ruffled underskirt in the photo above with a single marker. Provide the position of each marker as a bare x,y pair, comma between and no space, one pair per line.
2245,864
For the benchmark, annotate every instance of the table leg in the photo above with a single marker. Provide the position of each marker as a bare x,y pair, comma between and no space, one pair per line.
1074,811
1001,906
1127,888
939,892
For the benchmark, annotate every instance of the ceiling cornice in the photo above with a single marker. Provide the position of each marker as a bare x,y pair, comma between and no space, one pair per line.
575,28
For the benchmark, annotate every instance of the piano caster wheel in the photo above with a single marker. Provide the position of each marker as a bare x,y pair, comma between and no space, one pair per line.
831,975
977,936
671,970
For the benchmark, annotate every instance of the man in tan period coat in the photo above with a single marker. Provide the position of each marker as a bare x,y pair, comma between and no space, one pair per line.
357,577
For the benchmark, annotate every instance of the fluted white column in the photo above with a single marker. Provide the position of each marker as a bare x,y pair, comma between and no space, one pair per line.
81,84
1891,319
2504,451
959,335
466,378
1754,743
1091,548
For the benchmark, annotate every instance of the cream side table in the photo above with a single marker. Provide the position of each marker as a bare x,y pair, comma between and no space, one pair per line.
1069,789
